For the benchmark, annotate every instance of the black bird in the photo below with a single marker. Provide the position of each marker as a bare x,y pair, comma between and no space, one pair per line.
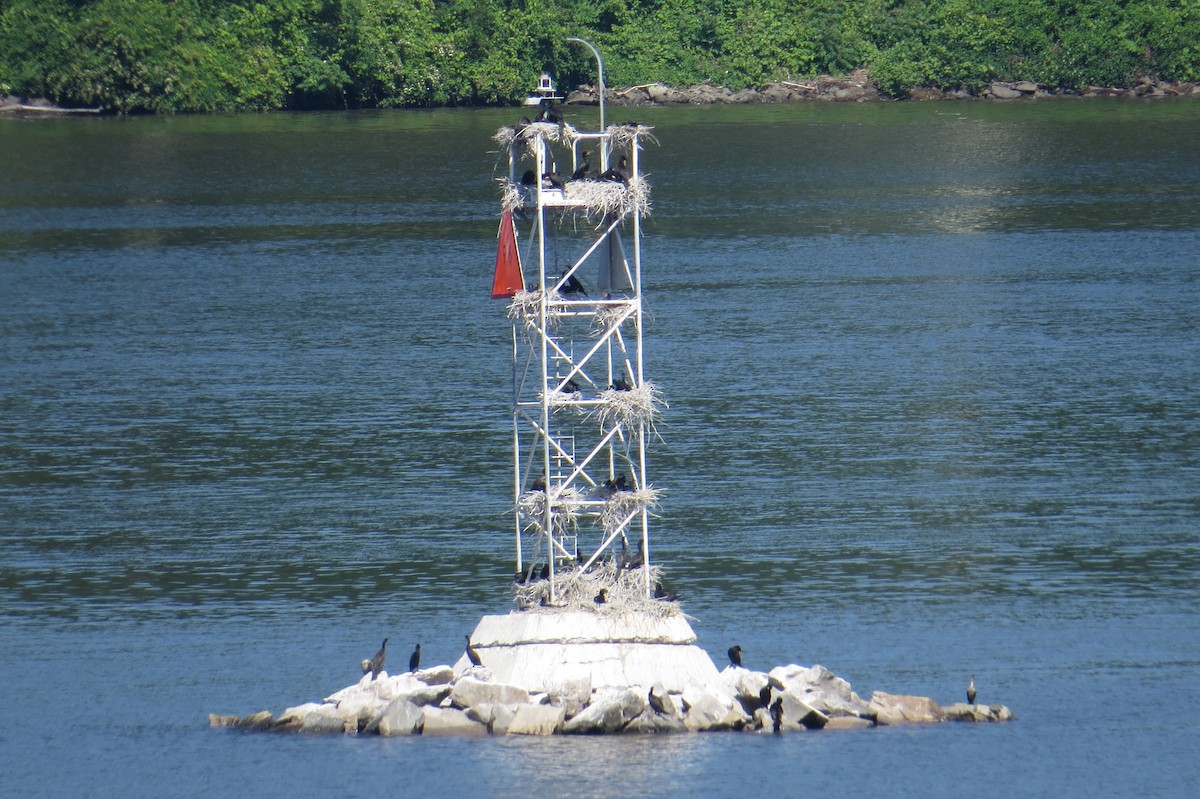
414,660
601,597
735,655
764,696
660,592
375,664
971,691
472,655
519,578
777,714
572,286
570,387
539,483
618,483
621,384
545,572
657,702
581,171
529,178
618,173
554,180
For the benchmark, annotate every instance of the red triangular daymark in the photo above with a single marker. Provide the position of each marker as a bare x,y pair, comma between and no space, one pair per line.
508,279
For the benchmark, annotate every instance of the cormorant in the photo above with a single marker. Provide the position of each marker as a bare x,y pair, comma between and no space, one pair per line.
375,664
570,387
414,660
662,593
656,702
572,286
581,172
618,483
621,384
971,691
735,655
472,655
529,178
764,696
601,597
777,714
554,180
539,483
618,173
545,572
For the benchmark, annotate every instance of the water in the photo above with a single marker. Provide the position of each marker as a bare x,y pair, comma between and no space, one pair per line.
933,412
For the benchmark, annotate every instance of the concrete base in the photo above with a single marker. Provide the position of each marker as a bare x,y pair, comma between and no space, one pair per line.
544,649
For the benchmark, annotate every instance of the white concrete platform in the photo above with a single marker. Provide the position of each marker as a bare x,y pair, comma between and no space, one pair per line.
543,649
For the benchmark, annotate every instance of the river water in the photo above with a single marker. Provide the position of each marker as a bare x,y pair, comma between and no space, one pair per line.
934,392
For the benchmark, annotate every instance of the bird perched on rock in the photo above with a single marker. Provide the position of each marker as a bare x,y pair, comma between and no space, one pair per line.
414,660
472,655
735,655
971,691
375,664
764,696
601,597
777,714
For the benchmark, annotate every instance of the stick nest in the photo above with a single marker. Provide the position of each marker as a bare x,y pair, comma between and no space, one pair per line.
564,515
576,590
623,504
526,306
640,404
596,199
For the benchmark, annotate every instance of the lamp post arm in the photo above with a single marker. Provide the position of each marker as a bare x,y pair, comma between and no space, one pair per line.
599,69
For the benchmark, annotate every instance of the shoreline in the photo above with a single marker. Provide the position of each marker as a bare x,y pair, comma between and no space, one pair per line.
857,87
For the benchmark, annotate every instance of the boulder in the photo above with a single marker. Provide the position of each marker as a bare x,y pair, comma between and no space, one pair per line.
400,717
849,723
572,695
799,715
822,689
662,702
961,711
649,721
261,720
325,721
502,716
448,721
745,684
536,720
608,714
1025,87
436,675
1002,91
469,691
711,708
901,709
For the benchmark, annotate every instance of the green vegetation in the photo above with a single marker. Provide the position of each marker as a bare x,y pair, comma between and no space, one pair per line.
209,55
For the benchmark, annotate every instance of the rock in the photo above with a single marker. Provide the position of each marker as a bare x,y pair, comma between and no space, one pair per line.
607,715
436,675
901,709
649,721
662,703
400,717
261,720
536,720
709,708
469,691
323,721
961,711
745,684
849,723
822,689
448,721
1025,87
1003,91
502,716
572,695
798,714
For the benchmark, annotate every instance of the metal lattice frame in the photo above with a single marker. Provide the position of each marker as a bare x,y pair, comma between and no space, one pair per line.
583,410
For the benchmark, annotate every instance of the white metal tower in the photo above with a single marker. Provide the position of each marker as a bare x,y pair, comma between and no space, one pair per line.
583,405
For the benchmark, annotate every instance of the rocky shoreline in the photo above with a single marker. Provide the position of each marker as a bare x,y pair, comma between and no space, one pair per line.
857,87
437,701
